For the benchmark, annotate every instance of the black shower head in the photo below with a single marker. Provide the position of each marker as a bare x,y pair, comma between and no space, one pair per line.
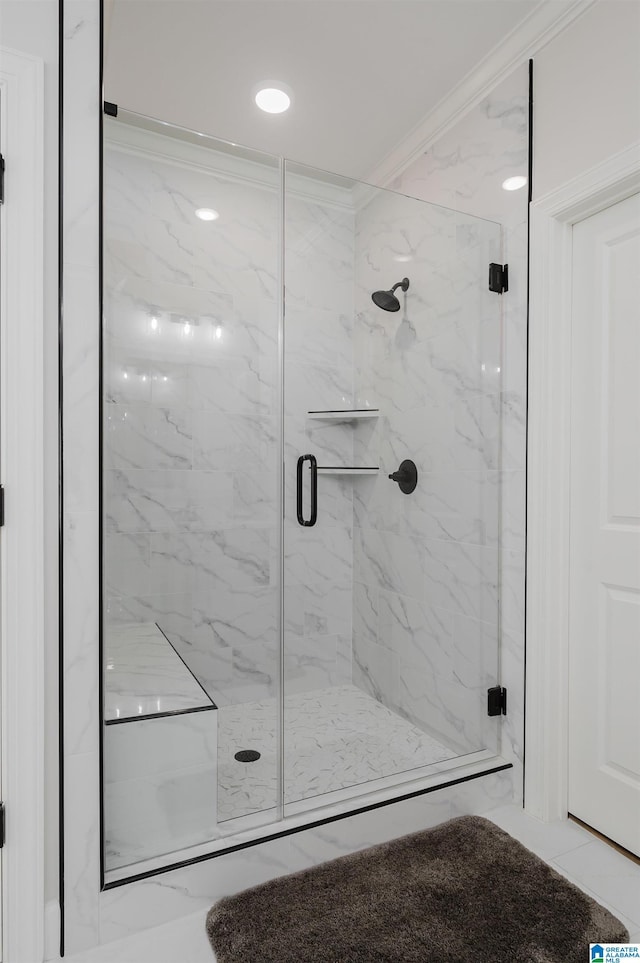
387,299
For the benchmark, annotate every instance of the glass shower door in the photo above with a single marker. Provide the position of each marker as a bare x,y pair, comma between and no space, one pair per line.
391,583
360,632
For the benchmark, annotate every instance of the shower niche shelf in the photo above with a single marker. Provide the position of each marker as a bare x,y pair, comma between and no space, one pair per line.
345,414
347,470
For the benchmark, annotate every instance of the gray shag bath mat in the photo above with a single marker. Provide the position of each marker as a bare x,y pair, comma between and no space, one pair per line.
463,892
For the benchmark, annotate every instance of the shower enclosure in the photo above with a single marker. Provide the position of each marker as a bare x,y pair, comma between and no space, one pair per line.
284,626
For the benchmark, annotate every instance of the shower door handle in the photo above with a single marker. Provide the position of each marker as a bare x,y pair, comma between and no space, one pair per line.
313,465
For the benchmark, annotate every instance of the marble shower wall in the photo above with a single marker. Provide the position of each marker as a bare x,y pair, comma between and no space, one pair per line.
464,169
318,373
191,385
426,604
191,328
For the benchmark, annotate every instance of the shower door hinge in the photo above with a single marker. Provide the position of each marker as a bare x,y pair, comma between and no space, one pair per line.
1,179
497,701
110,109
1,505
499,278
1,825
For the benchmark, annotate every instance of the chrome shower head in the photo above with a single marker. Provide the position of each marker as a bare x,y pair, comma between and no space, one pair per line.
387,300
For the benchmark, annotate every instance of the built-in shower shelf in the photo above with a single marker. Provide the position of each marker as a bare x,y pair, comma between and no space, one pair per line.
347,470
345,414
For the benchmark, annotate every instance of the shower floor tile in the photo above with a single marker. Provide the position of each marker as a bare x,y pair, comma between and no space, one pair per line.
334,738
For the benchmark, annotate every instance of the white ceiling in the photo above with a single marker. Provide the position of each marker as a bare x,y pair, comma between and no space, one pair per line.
364,72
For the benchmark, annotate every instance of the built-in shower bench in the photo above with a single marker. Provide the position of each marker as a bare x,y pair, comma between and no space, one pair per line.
145,677
160,747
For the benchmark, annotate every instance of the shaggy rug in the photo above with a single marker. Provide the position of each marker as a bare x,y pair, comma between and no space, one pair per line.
463,892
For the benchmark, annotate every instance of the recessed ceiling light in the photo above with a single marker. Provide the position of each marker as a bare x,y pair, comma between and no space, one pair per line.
207,214
273,100
514,183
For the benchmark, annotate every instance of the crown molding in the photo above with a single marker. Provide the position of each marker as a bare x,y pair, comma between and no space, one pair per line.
210,158
606,183
530,36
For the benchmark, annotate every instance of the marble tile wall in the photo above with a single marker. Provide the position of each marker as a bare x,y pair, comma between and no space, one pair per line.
464,169
192,413
426,564
190,456
318,375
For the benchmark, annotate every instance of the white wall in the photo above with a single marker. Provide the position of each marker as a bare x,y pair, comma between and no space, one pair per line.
587,93
32,28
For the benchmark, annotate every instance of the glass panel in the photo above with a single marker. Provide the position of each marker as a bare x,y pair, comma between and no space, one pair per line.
390,632
391,598
191,476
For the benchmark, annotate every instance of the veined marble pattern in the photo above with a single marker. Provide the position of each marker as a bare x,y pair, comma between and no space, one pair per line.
191,430
318,374
240,293
465,168
584,860
163,774
191,444
449,374
334,738
145,676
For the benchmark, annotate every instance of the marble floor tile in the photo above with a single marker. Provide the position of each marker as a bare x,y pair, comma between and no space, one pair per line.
334,738
612,877
586,861
612,907
185,940
546,840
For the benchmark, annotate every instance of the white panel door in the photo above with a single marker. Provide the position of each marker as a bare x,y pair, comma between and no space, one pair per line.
604,640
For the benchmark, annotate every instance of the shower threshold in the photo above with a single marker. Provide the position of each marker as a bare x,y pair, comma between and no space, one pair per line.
346,803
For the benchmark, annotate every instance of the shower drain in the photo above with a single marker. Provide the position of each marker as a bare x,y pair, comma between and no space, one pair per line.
247,755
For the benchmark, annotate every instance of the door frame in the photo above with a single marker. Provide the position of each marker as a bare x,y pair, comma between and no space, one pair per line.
548,474
21,538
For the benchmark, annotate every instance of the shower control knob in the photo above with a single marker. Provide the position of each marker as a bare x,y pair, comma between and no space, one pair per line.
406,476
